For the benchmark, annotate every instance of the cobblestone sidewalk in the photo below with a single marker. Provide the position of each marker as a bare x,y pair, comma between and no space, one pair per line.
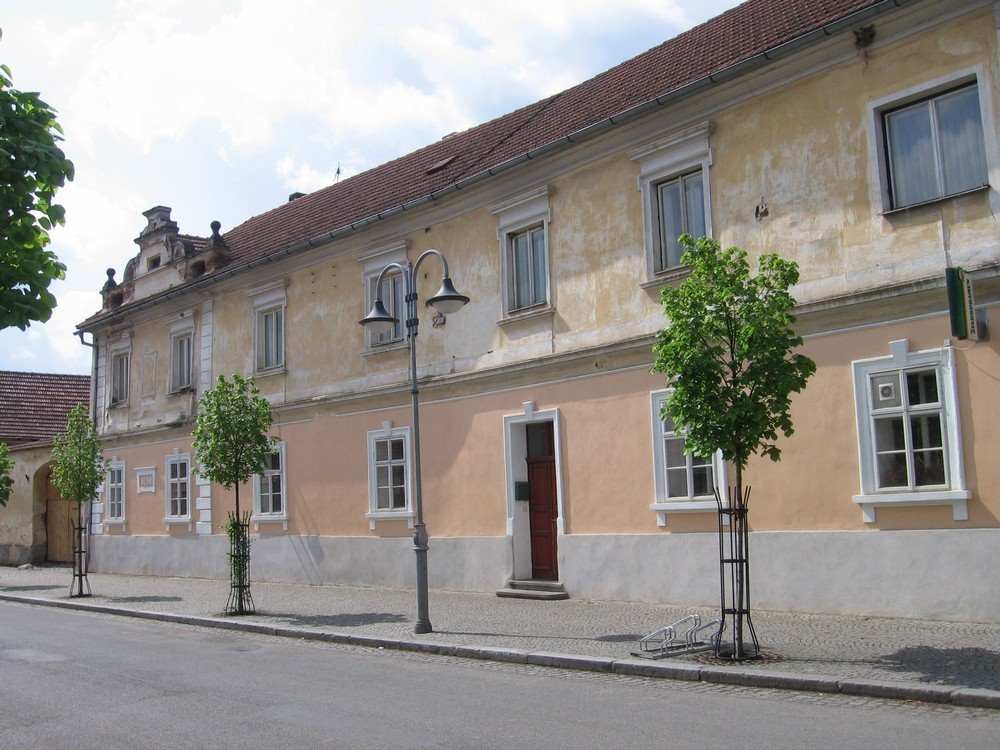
949,661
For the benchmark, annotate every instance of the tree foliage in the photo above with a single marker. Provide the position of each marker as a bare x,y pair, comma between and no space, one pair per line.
32,168
6,466
79,463
230,438
728,353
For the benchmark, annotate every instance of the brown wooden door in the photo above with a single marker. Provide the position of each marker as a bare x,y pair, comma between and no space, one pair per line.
542,504
58,524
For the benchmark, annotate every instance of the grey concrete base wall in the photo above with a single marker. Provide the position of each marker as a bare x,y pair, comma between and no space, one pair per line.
455,564
15,554
932,574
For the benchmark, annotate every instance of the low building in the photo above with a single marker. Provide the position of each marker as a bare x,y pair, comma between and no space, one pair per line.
856,137
36,524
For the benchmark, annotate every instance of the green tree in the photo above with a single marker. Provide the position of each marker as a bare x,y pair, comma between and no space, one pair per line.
6,466
728,355
78,472
231,445
32,168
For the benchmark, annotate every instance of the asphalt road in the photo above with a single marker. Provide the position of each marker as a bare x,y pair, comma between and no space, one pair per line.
78,680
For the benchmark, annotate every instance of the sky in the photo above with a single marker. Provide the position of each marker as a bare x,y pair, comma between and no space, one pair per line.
221,109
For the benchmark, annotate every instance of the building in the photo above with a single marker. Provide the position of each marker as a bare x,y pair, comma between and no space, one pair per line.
36,524
856,137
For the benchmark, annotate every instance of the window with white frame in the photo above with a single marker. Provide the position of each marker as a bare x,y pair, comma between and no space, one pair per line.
393,292
119,381
270,487
115,492
908,430
684,483
389,481
676,199
524,253
178,487
181,359
269,328
935,147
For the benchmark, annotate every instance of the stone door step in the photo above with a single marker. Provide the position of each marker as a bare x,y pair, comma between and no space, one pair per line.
546,590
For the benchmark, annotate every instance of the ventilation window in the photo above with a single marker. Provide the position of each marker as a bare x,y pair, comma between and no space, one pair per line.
197,269
153,262
440,165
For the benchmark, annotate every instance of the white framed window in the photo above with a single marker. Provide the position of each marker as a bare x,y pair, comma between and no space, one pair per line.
118,387
269,328
270,488
114,488
389,474
684,484
523,234
909,436
182,353
932,142
674,183
178,494
393,294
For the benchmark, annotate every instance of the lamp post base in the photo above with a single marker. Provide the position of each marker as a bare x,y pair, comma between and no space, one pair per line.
423,624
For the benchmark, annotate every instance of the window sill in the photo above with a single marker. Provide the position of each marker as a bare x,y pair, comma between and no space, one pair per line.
390,515
271,371
178,521
181,391
118,404
114,522
529,313
681,506
662,278
258,519
903,209
389,346
957,499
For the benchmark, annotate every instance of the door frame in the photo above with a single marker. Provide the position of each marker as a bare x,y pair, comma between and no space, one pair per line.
516,470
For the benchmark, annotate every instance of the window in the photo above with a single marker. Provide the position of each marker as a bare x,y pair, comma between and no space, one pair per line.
392,297
269,328
526,267
389,474
674,187
180,361
119,378
935,148
270,487
178,487
681,208
524,254
115,492
908,431
683,483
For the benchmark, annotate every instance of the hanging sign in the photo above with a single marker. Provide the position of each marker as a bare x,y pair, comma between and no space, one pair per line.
961,304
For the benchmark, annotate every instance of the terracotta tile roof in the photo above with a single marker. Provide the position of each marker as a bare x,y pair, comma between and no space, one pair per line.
34,406
739,35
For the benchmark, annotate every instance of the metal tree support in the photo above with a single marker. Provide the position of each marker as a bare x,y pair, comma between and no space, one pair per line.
240,600
80,586
734,576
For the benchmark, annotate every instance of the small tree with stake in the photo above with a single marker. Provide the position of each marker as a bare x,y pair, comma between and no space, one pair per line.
728,354
231,445
78,472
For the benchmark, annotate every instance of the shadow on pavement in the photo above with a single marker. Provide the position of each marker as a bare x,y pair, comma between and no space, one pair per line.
141,599
338,621
31,588
963,667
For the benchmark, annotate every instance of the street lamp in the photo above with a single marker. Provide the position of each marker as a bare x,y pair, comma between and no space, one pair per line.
379,320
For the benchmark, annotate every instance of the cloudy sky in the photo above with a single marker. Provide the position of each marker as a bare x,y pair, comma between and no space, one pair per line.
221,109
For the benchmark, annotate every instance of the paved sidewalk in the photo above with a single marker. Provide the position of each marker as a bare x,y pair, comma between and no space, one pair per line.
943,662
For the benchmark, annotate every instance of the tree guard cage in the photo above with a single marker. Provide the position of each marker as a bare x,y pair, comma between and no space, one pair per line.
240,600
734,577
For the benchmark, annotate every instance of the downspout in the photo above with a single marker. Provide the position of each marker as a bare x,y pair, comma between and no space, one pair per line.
93,417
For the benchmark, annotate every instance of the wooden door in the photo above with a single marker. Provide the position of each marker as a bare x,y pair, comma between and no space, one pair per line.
58,524
542,504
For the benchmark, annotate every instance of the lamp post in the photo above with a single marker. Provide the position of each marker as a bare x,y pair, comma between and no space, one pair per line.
378,320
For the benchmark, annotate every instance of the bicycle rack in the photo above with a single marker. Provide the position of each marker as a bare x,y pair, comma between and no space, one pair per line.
668,640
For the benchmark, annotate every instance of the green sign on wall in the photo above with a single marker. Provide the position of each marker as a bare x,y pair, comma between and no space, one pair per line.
961,304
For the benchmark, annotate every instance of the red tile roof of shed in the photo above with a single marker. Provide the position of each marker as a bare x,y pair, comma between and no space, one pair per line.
736,36
34,406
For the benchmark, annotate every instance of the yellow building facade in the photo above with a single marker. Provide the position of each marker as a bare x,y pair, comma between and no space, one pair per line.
863,145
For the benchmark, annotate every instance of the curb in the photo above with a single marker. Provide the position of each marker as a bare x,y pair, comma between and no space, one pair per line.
631,666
